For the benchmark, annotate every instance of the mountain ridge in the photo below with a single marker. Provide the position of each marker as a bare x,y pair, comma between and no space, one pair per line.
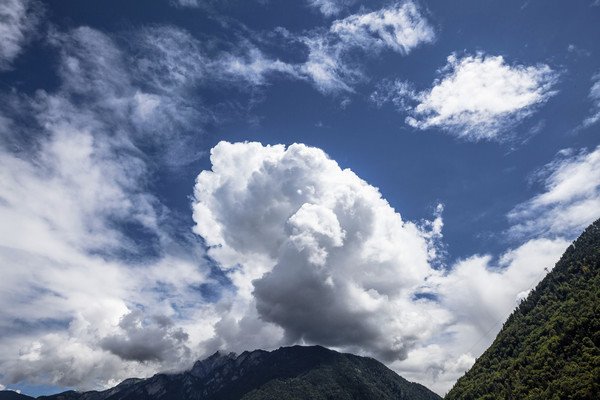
296,372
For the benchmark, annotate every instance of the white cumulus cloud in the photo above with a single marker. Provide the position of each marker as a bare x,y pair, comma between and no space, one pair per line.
316,249
478,97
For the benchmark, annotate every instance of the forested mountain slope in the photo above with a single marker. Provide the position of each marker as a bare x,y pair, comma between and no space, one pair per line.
549,348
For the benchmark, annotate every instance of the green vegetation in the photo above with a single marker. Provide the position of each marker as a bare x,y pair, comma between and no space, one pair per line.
549,348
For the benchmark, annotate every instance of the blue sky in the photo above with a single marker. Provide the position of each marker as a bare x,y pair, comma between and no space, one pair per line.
384,178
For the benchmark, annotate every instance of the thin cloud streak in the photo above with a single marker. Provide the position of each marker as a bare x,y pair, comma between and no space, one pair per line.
331,8
571,199
400,27
594,96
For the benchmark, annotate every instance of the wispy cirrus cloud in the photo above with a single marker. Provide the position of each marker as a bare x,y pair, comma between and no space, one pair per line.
169,58
19,20
173,59
401,28
330,7
201,4
326,68
478,97
155,104
570,201
594,96
329,66
186,3
253,66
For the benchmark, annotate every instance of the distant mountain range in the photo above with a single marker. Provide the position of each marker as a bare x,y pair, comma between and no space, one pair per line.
287,373
549,348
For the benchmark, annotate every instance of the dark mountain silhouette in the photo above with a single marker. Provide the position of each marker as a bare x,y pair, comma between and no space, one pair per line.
287,373
12,395
549,348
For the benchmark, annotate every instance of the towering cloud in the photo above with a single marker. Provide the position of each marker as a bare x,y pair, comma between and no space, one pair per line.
319,251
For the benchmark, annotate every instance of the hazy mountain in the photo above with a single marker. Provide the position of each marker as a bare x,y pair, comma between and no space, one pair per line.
549,348
287,373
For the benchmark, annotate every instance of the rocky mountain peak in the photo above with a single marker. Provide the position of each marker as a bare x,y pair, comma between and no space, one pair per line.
204,367
288,372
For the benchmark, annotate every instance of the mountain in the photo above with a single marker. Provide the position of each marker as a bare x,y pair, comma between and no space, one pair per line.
12,395
549,348
296,372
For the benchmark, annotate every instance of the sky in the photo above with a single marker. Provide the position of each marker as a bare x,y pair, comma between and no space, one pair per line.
387,178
